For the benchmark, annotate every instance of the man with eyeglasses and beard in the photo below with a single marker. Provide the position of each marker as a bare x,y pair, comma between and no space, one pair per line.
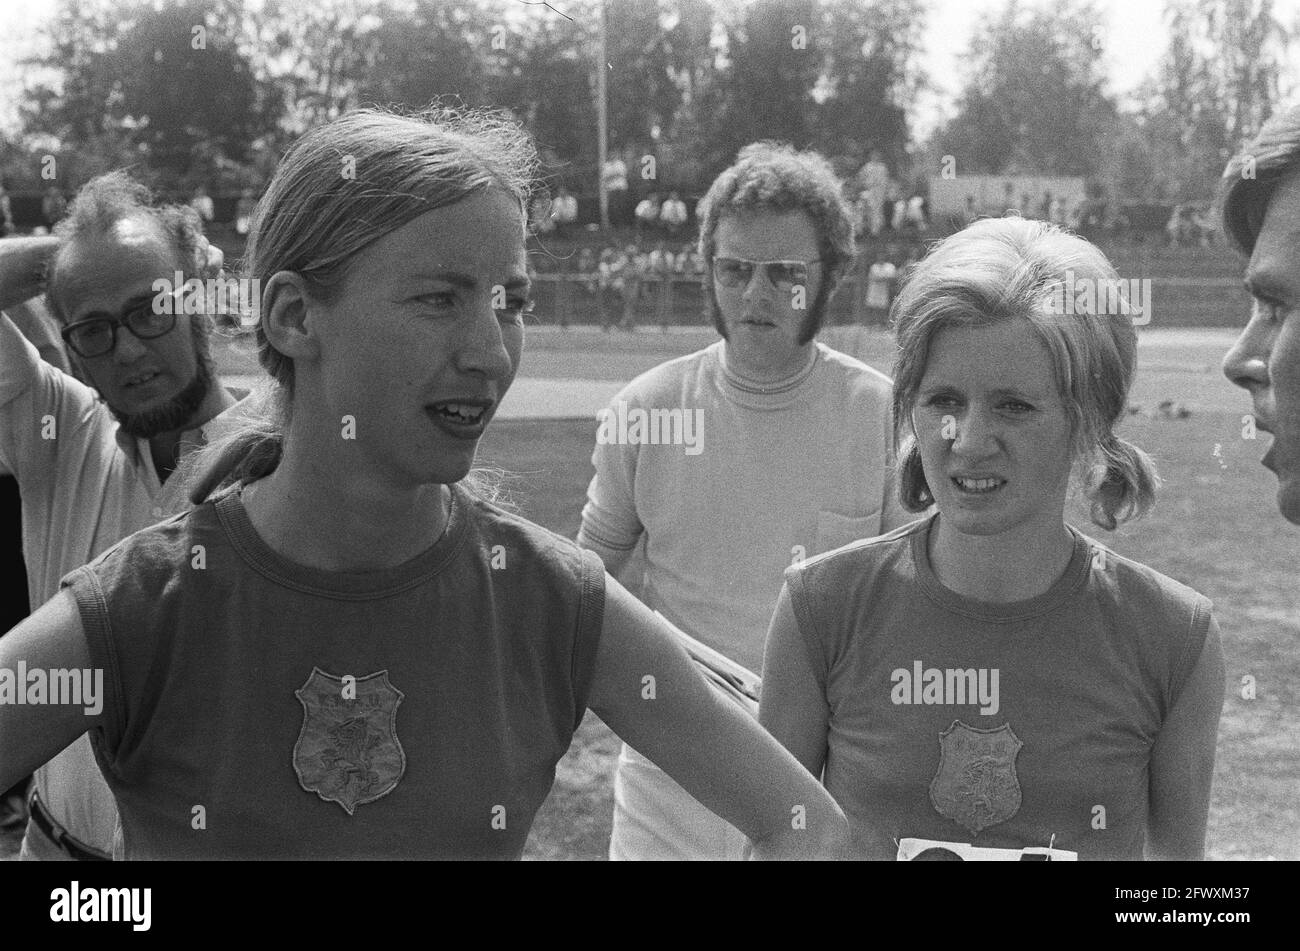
93,464
790,455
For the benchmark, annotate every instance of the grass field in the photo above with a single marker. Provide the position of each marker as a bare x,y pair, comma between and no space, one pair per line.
1216,528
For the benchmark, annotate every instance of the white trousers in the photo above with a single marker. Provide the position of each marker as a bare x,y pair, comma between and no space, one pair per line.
656,819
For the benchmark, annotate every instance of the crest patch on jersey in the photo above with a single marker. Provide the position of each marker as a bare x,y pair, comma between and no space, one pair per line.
976,784
347,751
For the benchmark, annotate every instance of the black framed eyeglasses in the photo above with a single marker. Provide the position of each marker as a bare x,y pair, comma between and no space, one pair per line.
97,336
783,275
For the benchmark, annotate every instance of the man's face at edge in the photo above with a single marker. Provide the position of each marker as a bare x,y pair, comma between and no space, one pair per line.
1265,359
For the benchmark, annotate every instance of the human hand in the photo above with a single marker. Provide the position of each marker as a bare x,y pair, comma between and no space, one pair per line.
211,258
24,263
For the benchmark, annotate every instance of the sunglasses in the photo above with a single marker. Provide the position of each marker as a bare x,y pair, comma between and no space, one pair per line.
97,336
783,275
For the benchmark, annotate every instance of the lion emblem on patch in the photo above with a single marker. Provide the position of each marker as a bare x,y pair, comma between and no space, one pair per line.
976,784
347,750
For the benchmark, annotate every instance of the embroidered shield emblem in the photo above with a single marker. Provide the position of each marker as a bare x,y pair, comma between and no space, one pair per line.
976,784
347,751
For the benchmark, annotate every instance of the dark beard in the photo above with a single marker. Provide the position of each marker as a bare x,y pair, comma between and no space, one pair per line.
173,414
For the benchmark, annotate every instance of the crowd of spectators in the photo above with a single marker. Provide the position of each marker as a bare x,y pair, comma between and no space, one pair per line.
652,217
620,283
883,204
885,208
653,265
1192,224
623,284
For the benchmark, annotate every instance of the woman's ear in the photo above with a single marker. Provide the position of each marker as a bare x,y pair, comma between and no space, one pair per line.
285,316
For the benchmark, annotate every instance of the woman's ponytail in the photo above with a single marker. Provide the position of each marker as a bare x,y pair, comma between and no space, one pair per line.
913,491
244,455
1123,486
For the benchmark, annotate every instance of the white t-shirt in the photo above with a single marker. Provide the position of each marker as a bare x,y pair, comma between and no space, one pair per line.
614,175
673,212
660,262
85,486
203,205
565,209
873,178
779,474
879,276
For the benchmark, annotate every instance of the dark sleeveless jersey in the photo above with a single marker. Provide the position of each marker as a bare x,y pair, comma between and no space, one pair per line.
256,708
998,725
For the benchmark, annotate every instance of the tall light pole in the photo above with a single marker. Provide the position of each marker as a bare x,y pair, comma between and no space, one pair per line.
602,121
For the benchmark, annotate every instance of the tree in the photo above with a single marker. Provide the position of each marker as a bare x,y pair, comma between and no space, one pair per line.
1035,102
686,147
1248,40
137,84
643,95
544,76
316,56
773,67
869,71
1216,84
435,51
169,65
689,44
1132,168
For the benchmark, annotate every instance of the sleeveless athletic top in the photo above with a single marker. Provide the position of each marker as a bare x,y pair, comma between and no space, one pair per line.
257,708
924,742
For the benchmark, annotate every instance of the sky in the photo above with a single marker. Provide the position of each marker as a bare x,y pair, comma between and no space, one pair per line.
1133,38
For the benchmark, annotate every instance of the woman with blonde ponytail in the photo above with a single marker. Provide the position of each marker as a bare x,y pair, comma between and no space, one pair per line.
345,651
989,682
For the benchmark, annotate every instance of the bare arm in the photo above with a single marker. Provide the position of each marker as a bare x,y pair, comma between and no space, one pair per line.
1182,762
793,708
22,266
30,734
648,691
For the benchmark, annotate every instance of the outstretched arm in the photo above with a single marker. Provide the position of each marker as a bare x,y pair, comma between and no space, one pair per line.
1182,761
52,639
649,692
